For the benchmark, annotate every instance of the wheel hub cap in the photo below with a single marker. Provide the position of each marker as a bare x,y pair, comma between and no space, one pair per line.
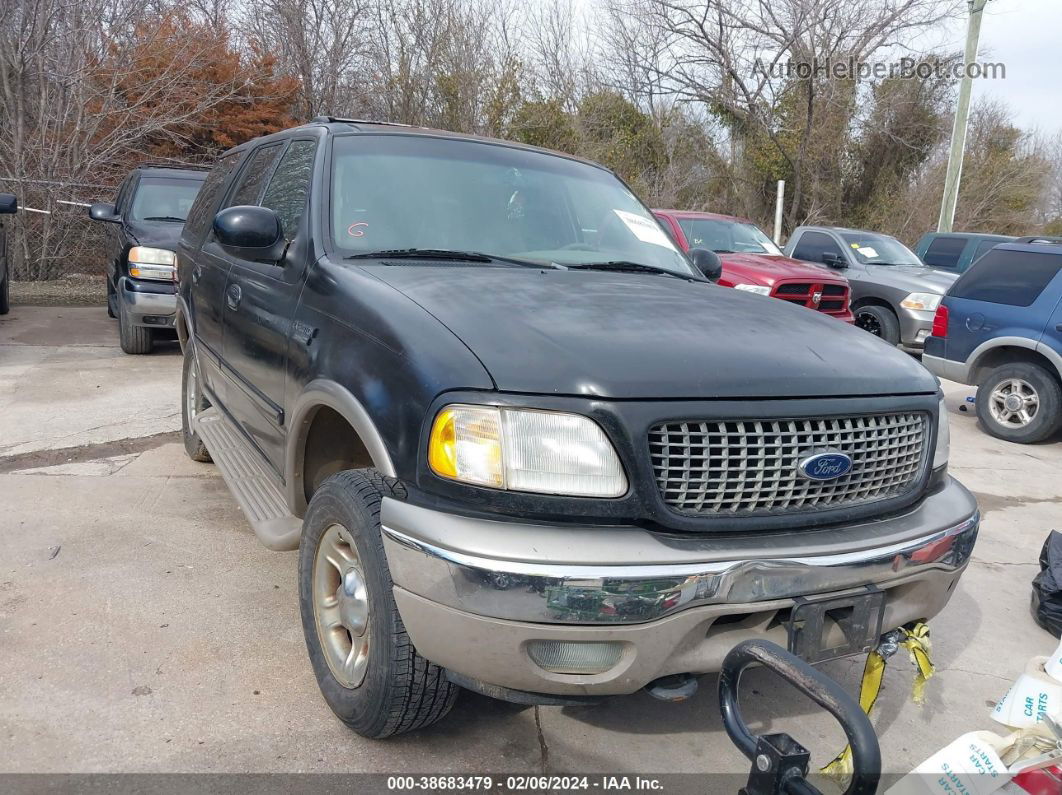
353,603
1013,403
341,606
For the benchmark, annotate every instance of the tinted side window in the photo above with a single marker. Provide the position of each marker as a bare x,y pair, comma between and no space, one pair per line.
812,245
254,175
983,248
123,192
1007,277
202,212
287,190
944,252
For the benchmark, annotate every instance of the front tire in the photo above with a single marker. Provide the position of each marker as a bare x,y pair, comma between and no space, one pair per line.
133,339
1020,402
368,671
880,322
193,401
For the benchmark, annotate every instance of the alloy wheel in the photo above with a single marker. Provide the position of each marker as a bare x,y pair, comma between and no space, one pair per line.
1013,403
868,322
192,395
341,606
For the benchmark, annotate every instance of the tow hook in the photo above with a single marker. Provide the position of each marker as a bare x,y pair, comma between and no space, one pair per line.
674,688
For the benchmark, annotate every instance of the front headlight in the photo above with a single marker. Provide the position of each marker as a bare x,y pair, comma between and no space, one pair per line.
156,264
943,449
547,452
926,302
753,288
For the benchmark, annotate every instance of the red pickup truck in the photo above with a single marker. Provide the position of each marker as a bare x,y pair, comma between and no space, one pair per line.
752,262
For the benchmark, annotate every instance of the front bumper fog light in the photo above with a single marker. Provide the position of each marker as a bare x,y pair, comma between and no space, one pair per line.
575,657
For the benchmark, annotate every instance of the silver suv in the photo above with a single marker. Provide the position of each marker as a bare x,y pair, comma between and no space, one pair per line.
894,293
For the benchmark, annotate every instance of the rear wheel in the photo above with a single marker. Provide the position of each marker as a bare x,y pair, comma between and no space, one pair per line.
133,339
365,664
880,322
1020,402
193,402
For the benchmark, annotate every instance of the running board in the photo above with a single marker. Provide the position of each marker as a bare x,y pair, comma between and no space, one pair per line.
257,490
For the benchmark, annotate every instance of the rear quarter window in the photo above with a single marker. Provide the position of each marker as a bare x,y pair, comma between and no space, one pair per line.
944,252
1015,278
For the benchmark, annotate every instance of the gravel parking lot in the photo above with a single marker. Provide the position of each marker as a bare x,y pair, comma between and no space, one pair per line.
144,629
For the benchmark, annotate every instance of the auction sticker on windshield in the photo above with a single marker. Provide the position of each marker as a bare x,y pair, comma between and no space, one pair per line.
645,230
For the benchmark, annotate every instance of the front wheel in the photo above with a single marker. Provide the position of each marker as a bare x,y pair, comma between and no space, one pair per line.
880,322
133,339
366,666
1020,402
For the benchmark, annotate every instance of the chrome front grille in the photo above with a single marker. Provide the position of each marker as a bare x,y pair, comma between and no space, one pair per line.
749,467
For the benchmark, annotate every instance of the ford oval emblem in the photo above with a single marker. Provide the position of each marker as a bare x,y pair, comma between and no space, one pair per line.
825,466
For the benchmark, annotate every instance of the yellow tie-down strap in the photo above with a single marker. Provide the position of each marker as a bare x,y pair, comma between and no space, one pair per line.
914,638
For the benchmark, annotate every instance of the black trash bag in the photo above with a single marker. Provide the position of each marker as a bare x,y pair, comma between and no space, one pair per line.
1047,586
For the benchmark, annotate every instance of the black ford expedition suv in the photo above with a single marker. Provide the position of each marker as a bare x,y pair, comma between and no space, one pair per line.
523,446
145,222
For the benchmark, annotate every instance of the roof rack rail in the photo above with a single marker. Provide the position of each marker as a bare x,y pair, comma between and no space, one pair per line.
184,166
335,119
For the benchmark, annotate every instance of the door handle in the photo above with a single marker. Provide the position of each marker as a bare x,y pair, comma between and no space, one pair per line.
1058,327
304,332
233,296
197,274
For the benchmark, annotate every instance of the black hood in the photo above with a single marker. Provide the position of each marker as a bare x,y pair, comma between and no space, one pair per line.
620,335
158,234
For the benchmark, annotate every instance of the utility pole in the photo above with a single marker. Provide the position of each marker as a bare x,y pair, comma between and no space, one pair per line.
779,199
962,114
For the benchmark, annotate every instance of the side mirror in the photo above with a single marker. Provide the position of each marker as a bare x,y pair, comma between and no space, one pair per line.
831,260
252,233
8,203
707,262
104,211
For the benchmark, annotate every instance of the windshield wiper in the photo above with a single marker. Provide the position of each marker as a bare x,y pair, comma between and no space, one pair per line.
623,266
447,255
164,218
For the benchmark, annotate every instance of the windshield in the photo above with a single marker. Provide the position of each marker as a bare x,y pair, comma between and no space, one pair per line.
164,198
872,249
417,192
726,236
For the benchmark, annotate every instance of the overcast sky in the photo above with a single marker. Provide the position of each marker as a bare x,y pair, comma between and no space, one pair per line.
1026,36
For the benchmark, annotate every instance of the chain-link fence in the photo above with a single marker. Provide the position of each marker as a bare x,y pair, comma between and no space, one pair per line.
51,236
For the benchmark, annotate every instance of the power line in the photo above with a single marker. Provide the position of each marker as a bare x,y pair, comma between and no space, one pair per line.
56,182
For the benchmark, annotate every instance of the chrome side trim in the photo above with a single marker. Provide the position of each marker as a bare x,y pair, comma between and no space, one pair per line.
579,594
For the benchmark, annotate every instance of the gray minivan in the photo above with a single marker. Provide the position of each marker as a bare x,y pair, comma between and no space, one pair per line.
894,294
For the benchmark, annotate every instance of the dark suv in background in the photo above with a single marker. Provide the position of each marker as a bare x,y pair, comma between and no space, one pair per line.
8,205
523,446
956,251
145,223
1000,327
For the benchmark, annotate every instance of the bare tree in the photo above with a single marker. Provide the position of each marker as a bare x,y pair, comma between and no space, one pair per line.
323,43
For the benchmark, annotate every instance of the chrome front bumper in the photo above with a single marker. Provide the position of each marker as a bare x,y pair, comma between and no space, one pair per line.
139,305
476,595
587,575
